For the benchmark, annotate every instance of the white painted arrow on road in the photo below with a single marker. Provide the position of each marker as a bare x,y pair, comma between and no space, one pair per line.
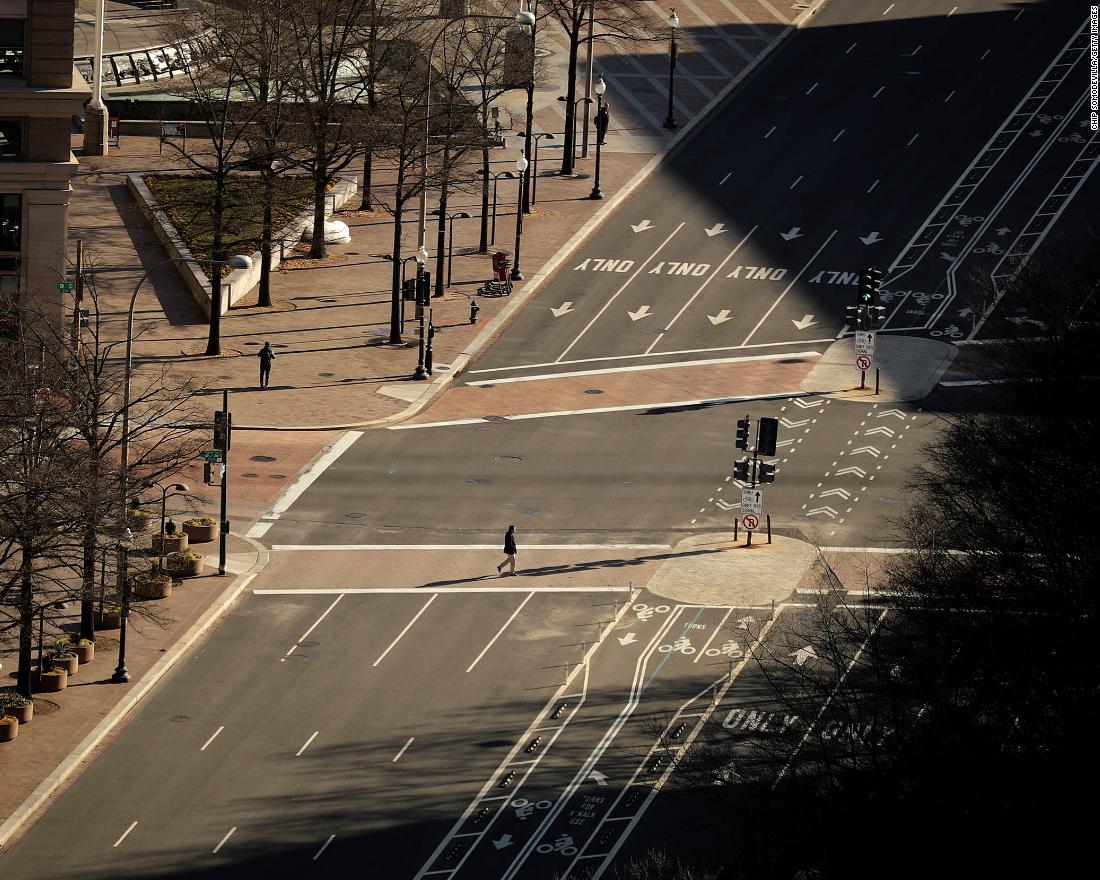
723,315
870,449
725,505
858,471
828,511
795,232
871,238
964,312
807,321
787,423
1026,321
803,654
881,429
563,309
503,841
628,639
843,493
641,227
716,229
945,255
892,412
643,312
1004,230
598,777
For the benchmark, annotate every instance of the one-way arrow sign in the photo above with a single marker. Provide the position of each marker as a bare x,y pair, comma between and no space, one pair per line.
870,239
503,841
723,315
807,321
641,227
643,312
795,232
716,229
563,309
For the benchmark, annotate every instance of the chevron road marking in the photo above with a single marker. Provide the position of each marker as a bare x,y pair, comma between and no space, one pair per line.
787,423
858,471
871,449
828,511
843,493
881,429
806,404
892,412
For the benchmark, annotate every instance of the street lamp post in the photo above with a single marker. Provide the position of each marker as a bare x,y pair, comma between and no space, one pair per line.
122,675
164,493
458,215
674,24
521,166
421,259
535,165
572,145
496,180
602,119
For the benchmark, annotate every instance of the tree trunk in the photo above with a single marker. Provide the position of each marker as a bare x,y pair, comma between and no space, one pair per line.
441,235
483,242
87,585
317,247
214,342
396,292
367,169
26,633
570,105
264,296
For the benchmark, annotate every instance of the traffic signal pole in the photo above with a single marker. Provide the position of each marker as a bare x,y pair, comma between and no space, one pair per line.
225,485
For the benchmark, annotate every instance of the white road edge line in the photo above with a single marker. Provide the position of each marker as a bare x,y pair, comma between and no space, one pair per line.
787,290
306,744
366,591
397,757
324,846
213,737
133,825
408,626
615,296
228,834
499,632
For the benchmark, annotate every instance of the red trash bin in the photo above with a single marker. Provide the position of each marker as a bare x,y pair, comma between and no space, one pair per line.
501,265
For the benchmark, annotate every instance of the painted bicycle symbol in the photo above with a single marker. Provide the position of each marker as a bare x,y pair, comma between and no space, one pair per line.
682,645
1075,138
525,808
645,612
991,248
966,220
563,845
729,648
1045,118
951,332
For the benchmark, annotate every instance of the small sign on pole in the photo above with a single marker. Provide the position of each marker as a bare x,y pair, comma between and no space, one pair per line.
865,342
752,501
66,286
863,363
751,522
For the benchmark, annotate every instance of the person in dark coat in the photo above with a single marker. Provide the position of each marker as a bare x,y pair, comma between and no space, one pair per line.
266,356
509,551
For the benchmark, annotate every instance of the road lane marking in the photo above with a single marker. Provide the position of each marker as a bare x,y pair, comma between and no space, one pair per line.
879,92
796,183
702,286
133,825
724,179
838,134
305,745
913,139
525,547
397,757
365,591
324,846
228,834
986,52
871,188
949,97
408,626
850,48
713,635
319,619
886,11
213,737
769,134
811,88
477,659
787,290
615,296
303,482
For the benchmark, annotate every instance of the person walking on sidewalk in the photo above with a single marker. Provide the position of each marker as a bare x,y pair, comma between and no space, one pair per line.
266,356
509,551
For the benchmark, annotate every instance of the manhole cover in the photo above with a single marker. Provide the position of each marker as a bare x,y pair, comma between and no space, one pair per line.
279,345
354,514
507,458
493,418
180,718
278,476
262,458
326,375
476,482
593,391
250,476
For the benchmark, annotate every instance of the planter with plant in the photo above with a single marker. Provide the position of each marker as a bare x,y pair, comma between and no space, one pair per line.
84,648
9,728
173,543
64,657
185,564
51,681
201,529
109,617
151,585
139,520
15,704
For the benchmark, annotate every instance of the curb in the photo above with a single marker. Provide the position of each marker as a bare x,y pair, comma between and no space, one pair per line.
61,774
611,205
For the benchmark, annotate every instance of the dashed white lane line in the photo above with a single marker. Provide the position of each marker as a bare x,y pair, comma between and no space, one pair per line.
983,55
724,179
133,825
810,90
1018,14
838,134
915,51
886,11
408,626
769,134
949,97
913,139
879,92
228,834
788,288
796,183
302,638
954,9
305,745
213,737
871,188
850,48
484,650
324,846
408,743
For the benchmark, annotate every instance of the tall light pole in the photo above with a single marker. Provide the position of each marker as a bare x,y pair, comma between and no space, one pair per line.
522,17
521,166
572,145
587,79
458,215
496,180
165,491
602,119
535,167
421,372
674,25
122,674
95,117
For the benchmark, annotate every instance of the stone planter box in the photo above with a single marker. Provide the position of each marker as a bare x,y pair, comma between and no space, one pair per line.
109,618
85,653
200,534
172,543
139,521
185,567
49,683
9,729
22,714
153,588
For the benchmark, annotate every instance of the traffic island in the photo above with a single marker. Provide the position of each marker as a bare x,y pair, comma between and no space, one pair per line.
908,368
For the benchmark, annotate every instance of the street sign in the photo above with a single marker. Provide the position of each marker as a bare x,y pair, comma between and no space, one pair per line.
212,456
66,286
865,342
752,501
863,362
751,522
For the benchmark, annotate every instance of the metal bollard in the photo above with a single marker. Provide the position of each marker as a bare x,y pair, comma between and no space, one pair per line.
769,517
736,521
876,380
474,309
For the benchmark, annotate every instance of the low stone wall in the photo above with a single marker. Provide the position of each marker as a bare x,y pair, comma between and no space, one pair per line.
240,281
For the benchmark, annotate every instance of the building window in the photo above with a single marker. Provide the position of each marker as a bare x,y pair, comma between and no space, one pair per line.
11,46
11,139
11,222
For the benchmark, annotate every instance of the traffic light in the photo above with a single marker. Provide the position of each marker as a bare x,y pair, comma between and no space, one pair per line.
408,289
870,279
766,473
743,433
741,470
85,317
223,429
766,435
